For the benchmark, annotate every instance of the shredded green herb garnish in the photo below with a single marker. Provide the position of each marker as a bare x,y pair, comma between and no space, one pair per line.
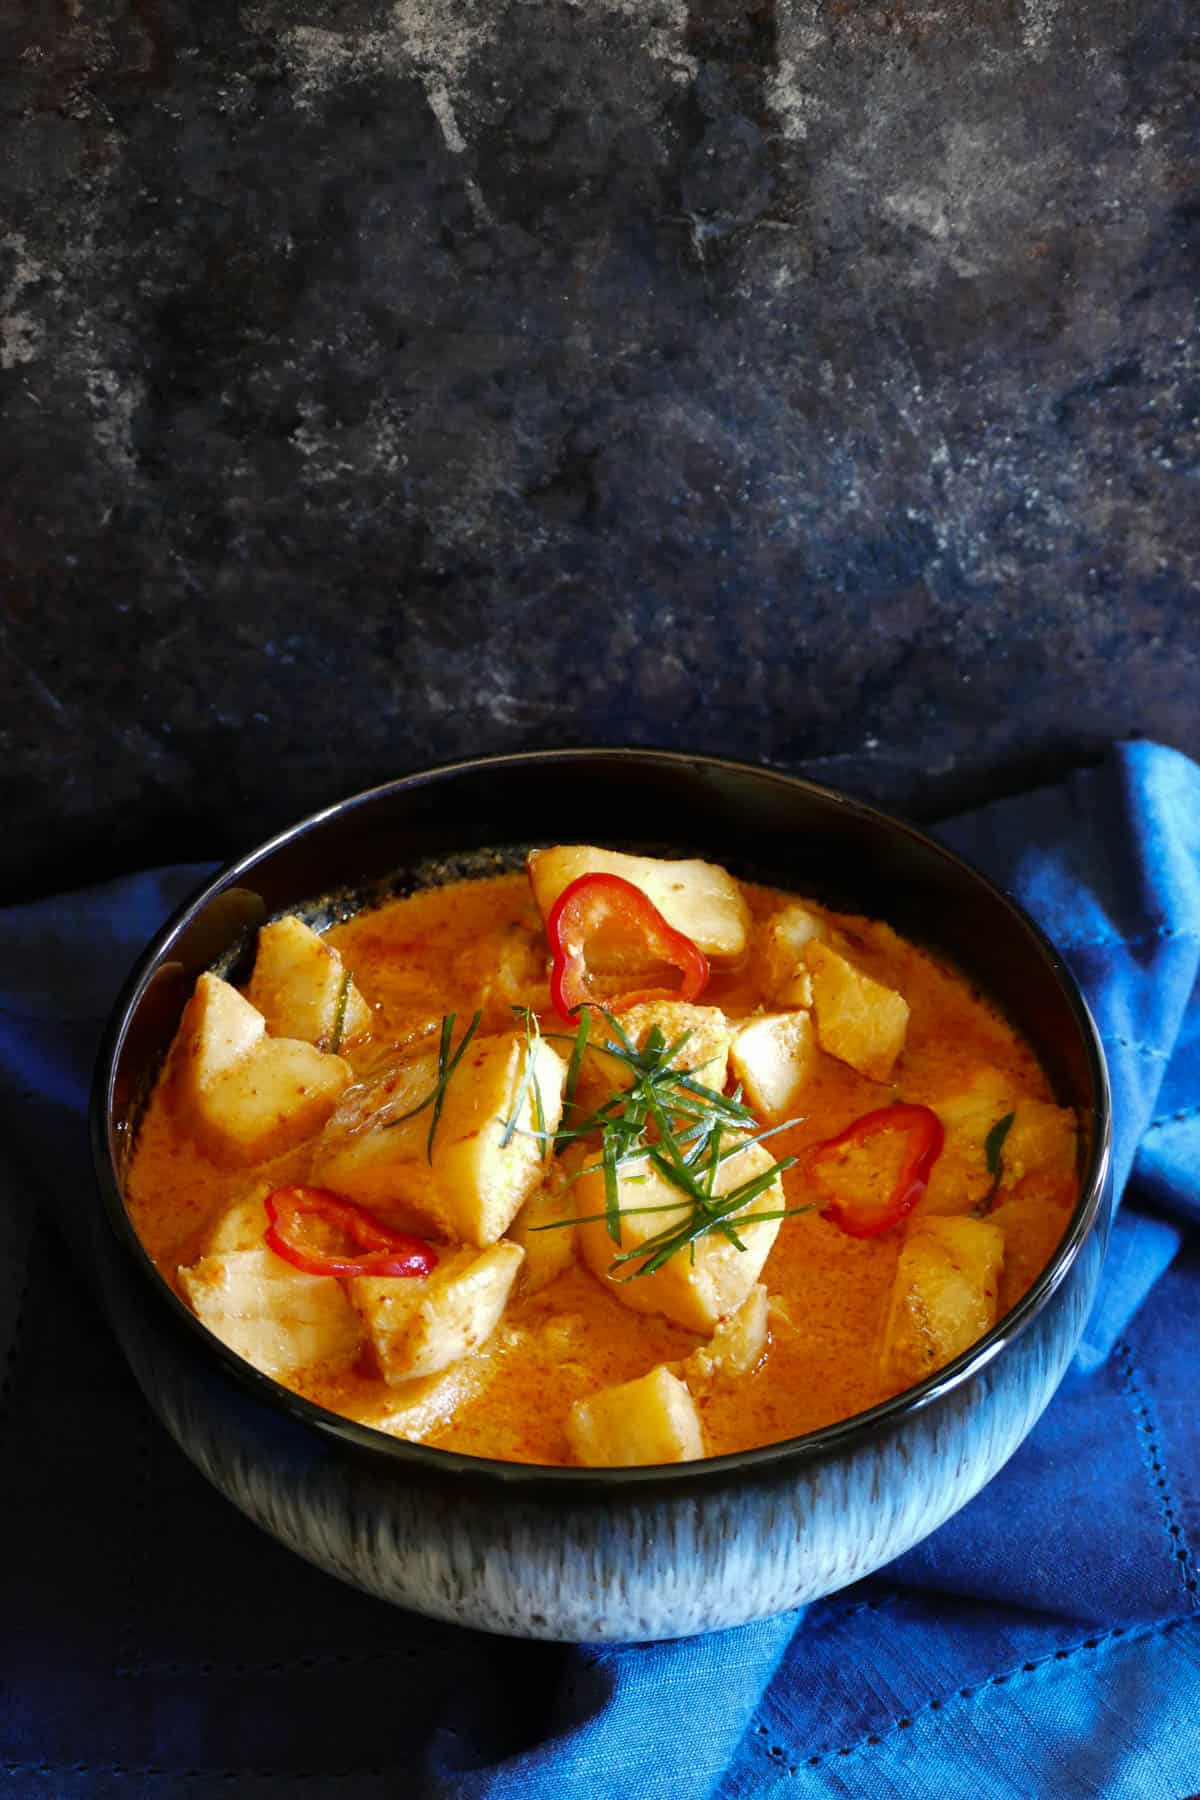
339,1014
576,1062
539,1117
993,1146
446,1067
612,1195
685,1131
665,1118
528,1083
708,1213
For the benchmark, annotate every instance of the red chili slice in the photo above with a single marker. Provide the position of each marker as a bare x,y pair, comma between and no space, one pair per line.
380,1251
604,916
861,1216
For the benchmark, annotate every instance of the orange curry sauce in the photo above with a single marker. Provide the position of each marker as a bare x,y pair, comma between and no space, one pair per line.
418,958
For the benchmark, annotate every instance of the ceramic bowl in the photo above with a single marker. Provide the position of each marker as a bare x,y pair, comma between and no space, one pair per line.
610,1554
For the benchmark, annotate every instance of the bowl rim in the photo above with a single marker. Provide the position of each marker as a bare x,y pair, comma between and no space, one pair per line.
839,1436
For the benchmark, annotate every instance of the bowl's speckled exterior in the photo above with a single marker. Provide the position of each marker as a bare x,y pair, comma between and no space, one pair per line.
612,1554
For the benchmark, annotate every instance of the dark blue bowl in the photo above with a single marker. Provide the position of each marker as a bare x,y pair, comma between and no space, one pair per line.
607,1554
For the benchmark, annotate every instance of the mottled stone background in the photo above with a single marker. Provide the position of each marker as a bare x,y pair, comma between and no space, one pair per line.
815,382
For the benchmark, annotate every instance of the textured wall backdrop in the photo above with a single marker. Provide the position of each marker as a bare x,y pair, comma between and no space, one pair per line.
388,383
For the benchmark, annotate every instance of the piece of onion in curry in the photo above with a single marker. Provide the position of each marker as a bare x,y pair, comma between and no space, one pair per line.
654,1230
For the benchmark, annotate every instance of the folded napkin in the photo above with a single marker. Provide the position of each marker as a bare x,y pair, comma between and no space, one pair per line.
1043,1643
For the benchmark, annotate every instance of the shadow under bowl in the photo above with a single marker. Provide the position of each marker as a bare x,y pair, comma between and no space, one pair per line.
603,1554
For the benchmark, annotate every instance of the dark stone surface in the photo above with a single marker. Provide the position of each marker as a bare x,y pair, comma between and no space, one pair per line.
384,384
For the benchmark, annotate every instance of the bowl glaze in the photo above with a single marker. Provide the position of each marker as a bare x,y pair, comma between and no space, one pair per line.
612,1554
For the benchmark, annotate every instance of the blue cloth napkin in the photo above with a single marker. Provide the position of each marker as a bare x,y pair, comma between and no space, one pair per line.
1043,1643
